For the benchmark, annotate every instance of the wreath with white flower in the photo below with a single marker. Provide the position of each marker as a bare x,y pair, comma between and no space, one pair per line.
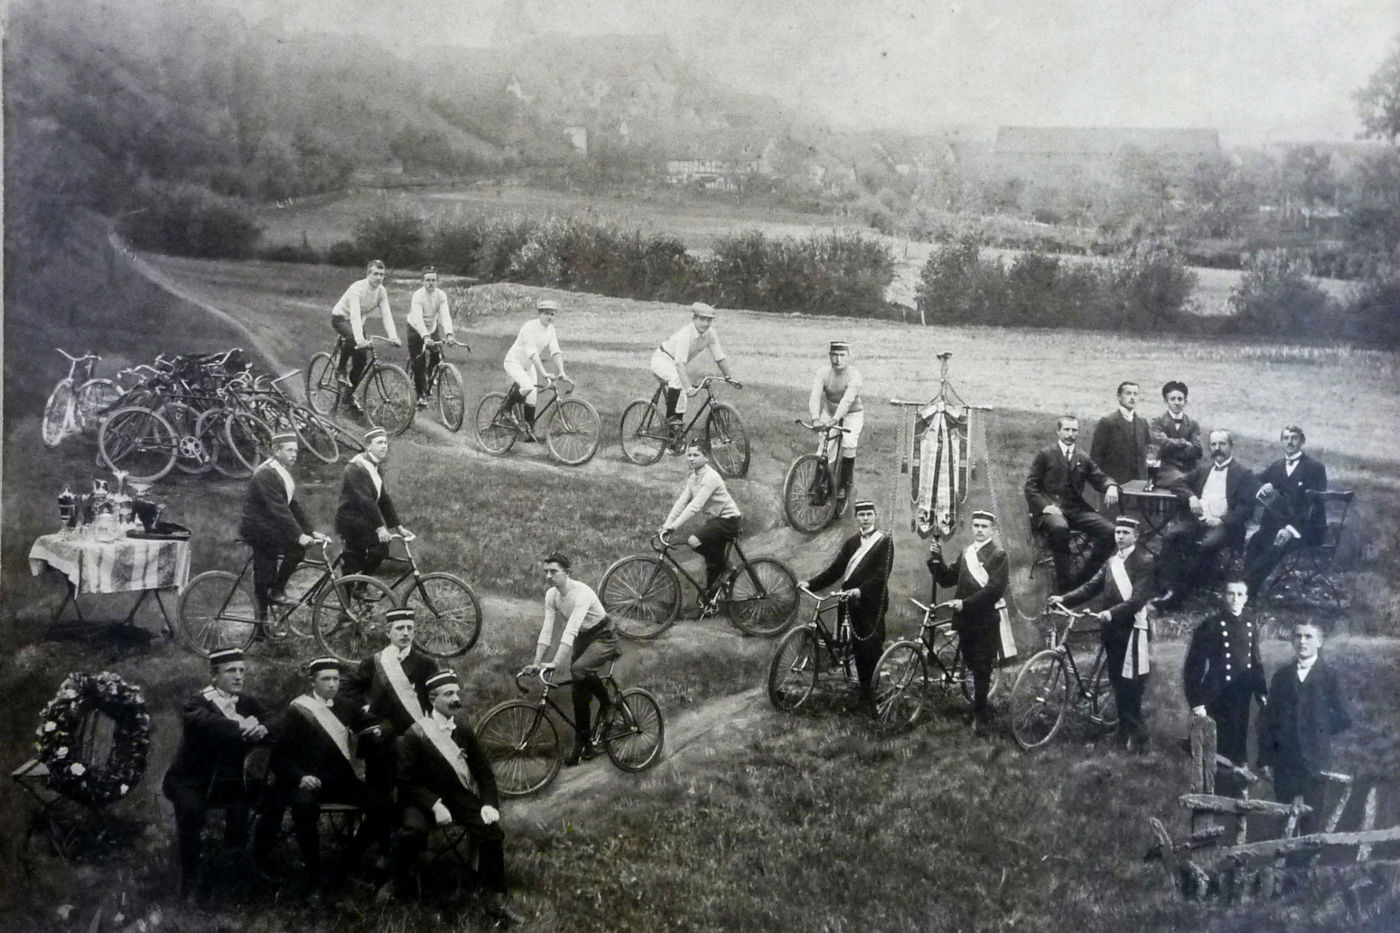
60,737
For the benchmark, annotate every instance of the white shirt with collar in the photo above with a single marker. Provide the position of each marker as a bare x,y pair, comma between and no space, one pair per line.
1067,450
444,724
1214,500
1304,667
1127,413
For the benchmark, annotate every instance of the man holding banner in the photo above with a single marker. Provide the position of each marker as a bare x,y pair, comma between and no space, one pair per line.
1122,588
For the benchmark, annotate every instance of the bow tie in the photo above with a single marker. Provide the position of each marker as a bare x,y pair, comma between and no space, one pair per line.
1292,460
866,534
1221,467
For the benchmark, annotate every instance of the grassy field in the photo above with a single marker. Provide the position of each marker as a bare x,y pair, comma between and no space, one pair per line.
763,821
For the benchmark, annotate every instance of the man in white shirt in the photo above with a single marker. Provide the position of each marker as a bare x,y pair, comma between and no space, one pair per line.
363,301
588,638
836,401
671,361
526,357
1216,502
429,327
705,492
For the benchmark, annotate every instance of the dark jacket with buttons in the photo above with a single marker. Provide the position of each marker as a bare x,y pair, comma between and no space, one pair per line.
1224,651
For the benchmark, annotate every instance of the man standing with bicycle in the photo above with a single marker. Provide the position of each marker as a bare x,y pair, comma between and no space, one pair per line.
587,645
671,361
526,357
365,519
429,327
363,301
836,401
862,567
980,576
705,492
274,525
1123,587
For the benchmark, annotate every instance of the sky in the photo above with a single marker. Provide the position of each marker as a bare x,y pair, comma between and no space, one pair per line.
1257,70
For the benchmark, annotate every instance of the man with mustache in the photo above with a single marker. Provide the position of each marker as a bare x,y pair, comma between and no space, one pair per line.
1216,501
1289,520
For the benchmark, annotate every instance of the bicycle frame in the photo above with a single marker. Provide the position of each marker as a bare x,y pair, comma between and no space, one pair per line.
658,401
1060,645
664,546
839,644
931,630
547,702
308,598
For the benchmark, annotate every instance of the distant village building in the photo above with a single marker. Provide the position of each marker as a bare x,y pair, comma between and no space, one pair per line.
720,159
1054,154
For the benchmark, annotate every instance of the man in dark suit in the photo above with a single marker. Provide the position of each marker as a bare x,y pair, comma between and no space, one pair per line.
1289,519
220,724
274,524
313,763
979,577
1121,590
365,518
1306,708
1055,494
444,777
1223,673
1216,502
861,568
1121,438
1176,434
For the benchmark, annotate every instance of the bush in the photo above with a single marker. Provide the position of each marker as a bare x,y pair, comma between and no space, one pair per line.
396,235
1275,297
345,253
1152,286
188,220
1372,316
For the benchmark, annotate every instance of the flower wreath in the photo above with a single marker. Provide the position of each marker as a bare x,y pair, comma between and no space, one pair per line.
58,737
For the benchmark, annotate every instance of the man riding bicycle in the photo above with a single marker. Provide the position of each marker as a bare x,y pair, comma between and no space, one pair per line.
670,362
587,645
274,525
429,327
363,301
704,491
836,401
525,358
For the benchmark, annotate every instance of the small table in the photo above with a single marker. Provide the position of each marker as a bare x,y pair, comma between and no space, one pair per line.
1156,508
125,565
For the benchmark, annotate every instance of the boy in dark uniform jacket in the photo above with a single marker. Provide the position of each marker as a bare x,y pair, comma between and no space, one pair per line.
1223,673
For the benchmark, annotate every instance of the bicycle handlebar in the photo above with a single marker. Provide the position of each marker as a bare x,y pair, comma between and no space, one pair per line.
542,673
705,382
285,376
839,595
828,428
89,355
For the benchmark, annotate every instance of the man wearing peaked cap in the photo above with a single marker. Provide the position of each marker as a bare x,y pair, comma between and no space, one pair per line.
525,359
835,400
671,361
274,524
366,518
219,725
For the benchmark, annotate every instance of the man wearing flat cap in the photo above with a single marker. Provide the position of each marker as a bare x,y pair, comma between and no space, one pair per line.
274,524
525,358
835,401
671,361
366,519
1121,590
979,577
444,777
861,570
220,724
313,763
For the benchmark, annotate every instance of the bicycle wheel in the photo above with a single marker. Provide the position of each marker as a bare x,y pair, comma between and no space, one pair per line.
322,385
209,432
572,432
636,732
216,611
301,584
452,404
1039,698
808,498
727,440
523,746
792,672
386,395
190,455
56,413
249,439
314,435
348,620
900,684
138,442
1103,705
446,615
494,432
642,433
765,602
94,397
641,594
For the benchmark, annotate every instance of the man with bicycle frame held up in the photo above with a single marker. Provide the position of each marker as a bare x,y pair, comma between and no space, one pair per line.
836,401
671,361
363,301
274,525
705,492
587,644
429,327
526,357
862,567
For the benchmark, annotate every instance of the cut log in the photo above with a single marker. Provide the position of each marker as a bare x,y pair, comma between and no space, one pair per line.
1210,803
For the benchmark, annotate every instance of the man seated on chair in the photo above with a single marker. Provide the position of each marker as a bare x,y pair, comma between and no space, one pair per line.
587,645
220,724
1055,493
1176,434
1121,590
1216,502
836,401
313,764
979,575
1289,520
704,493
1121,437
861,570
445,777
671,361
274,525
1223,673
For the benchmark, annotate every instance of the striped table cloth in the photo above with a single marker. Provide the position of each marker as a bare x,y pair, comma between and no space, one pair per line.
124,565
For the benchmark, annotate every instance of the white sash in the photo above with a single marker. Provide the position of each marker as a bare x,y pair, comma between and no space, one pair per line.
389,665
363,460
448,749
321,714
875,538
972,560
287,482
1135,662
